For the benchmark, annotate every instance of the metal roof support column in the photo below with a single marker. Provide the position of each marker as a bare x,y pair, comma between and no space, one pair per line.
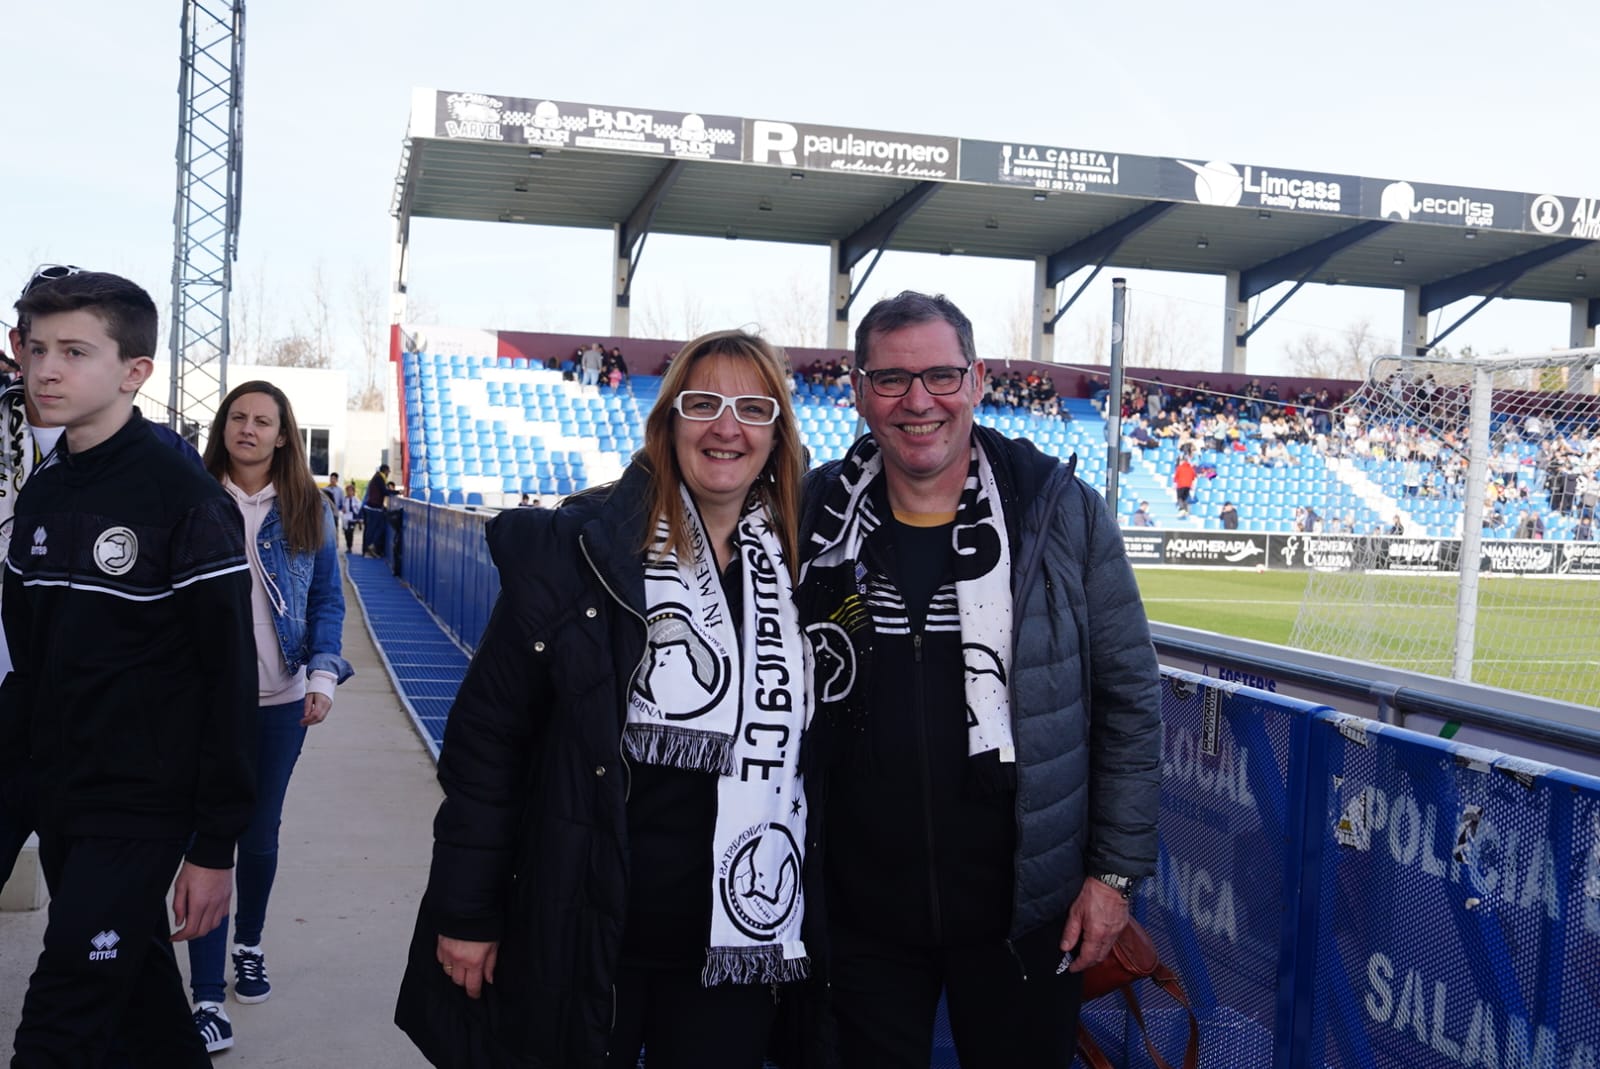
1235,326
1581,380
1042,343
621,281
838,299
873,236
1413,324
630,237
400,264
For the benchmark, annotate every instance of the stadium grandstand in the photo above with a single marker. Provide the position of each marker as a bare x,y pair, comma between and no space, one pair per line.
483,430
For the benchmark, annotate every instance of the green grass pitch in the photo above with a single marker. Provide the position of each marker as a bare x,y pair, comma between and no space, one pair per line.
1538,636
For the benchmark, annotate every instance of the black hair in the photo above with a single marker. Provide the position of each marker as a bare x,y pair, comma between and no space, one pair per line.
907,309
124,307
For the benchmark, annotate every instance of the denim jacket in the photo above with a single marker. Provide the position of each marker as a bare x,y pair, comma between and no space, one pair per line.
311,631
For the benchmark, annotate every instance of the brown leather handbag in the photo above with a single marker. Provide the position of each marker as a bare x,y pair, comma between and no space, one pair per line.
1133,958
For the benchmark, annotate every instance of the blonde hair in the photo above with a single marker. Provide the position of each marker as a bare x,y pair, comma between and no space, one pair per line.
778,484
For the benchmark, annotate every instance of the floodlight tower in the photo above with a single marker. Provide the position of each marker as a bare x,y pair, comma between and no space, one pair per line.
206,216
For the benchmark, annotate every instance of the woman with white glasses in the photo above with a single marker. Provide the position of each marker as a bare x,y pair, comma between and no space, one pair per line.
617,862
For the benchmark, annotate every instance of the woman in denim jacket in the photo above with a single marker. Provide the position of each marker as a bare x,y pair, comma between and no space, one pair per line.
256,452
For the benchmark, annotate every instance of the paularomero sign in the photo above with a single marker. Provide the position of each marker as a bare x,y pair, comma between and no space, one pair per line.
838,148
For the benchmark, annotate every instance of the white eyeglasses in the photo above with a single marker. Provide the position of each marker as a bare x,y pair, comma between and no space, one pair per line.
703,406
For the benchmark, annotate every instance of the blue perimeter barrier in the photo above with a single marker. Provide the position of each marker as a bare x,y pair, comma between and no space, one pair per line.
1334,892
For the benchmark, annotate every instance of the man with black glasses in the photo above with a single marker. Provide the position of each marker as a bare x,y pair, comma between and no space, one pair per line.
988,719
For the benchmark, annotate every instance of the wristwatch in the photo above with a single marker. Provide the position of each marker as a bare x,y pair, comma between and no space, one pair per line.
1123,885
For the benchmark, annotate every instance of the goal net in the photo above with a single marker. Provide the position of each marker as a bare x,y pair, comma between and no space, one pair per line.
1478,481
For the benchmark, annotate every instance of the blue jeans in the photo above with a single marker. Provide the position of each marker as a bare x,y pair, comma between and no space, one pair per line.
375,536
279,737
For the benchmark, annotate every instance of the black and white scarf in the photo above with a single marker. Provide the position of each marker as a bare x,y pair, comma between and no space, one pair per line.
734,702
832,566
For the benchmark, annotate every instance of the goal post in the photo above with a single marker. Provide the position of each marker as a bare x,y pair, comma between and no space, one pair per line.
1470,470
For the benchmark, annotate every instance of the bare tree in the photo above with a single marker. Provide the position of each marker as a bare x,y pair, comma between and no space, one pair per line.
1161,334
694,315
652,320
792,314
294,350
1312,357
249,330
367,307
1017,333
1091,342
320,312
1346,356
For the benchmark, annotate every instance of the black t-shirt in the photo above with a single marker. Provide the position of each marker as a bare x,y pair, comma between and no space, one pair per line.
672,816
921,565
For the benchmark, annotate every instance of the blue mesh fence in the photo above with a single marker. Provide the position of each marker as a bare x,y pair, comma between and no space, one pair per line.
1456,918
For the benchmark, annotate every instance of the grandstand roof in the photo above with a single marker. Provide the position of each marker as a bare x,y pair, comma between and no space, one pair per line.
485,157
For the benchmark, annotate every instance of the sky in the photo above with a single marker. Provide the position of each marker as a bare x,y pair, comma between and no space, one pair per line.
1469,93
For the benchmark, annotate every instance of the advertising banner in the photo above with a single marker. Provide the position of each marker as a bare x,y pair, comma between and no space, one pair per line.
559,124
1519,558
1579,558
1323,553
1059,169
1145,548
1216,905
1423,202
1426,555
1459,904
1227,185
1568,217
1216,547
839,148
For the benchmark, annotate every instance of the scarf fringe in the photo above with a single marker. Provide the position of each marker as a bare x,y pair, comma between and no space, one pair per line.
694,751
752,965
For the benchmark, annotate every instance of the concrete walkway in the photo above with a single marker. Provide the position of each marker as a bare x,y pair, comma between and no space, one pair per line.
354,852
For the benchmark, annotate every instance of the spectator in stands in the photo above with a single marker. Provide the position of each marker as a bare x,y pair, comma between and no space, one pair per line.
523,502
1140,434
375,534
1398,527
593,358
297,596
577,890
1411,474
1017,877
1141,515
1583,530
1229,515
1183,481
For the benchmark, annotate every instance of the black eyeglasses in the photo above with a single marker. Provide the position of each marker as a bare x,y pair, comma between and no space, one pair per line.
48,273
896,382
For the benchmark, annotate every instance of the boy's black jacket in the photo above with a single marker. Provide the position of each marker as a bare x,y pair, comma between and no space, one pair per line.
127,609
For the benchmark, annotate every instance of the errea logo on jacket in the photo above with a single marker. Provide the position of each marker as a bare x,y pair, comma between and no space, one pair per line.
39,548
105,946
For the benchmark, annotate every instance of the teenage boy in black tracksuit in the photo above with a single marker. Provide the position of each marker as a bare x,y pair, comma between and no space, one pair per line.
127,608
